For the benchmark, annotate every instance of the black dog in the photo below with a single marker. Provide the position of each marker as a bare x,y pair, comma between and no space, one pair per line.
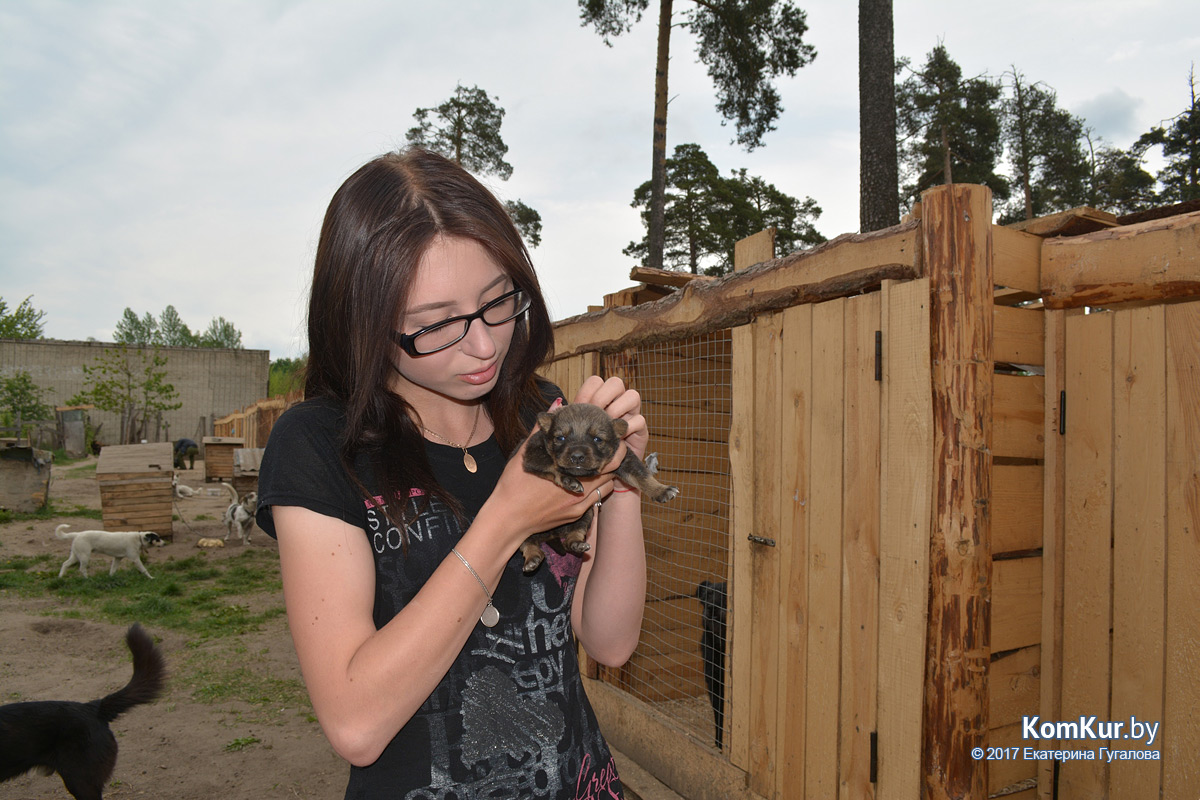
73,739
577,441
712,648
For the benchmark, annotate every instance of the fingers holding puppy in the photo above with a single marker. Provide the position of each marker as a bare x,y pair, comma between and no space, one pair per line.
619,402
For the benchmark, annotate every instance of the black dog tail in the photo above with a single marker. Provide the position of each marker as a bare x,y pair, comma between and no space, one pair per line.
148,672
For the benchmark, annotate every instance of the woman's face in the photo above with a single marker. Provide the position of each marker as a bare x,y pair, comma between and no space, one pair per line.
455,277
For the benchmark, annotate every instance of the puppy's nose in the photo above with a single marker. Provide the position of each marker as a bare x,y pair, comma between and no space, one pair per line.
577,456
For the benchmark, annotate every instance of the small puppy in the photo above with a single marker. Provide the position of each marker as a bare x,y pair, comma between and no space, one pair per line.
180,489
577,441
117,544
73,739
712,596
240,515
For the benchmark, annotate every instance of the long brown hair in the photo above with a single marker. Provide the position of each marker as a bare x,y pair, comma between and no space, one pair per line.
376,230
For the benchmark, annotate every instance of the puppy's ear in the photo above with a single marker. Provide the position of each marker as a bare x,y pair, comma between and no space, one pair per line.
620,426
544,421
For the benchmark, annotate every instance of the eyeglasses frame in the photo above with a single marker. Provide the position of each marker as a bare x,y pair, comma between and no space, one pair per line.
406,341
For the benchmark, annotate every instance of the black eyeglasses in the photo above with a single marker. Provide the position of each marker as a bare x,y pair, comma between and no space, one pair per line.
441,335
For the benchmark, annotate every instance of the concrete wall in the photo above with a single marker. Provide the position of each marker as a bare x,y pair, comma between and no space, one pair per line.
210,382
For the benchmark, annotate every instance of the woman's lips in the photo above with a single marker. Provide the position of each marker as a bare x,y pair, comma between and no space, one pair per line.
481,377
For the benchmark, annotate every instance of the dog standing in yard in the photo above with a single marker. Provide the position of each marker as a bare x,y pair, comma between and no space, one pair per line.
577,441
73,739
116,544
240,514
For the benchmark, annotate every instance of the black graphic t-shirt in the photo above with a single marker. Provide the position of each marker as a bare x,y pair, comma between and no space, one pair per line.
510,719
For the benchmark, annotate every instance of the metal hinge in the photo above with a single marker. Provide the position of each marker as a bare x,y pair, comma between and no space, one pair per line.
879,355
1062,413
761,540
874,756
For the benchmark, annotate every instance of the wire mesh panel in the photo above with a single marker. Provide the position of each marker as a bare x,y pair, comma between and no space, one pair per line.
681,663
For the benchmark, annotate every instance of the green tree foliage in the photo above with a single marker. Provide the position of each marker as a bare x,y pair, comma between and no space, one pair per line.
950,127
22,399
221,333
878,177
286,376
1045,149
23,322
130,382
745,44
466,129
706,214
1118,181
1180,142
169,330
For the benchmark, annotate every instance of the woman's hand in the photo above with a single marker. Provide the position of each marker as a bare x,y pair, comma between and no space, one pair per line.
620,403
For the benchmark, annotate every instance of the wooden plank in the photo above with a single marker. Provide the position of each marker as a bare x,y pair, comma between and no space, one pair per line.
764,574
647,736
1052,540
796,430
845,266
740,617
1010,774
1018,409
1015,687
1016,507
1071,222
958,256
1087,554
1018,259
1020,335
754,249
825,552
860,550
1181,726
1156,260
1016,603
906,475
1139,536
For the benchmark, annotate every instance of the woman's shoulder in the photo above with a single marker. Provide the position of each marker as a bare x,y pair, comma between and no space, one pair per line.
319,417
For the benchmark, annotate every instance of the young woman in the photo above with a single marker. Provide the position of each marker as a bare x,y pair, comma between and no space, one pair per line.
436,668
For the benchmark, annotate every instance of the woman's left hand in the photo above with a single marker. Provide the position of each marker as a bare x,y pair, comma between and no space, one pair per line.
620,403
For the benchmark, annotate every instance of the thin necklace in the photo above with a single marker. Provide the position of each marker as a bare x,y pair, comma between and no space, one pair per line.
468,459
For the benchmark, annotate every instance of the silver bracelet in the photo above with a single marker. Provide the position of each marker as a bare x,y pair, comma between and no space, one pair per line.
490,615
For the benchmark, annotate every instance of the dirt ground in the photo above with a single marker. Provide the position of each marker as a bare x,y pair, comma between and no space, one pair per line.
177,747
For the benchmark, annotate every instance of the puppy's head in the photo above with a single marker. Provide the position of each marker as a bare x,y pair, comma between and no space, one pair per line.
581,438
150,539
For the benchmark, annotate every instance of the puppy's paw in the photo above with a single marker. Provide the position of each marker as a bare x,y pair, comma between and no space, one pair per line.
578,548
570,484
666,494
532,563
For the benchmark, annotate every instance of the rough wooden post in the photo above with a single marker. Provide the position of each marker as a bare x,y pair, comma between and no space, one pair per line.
956,222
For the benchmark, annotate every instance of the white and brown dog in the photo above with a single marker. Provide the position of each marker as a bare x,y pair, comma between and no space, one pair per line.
115,544
240,514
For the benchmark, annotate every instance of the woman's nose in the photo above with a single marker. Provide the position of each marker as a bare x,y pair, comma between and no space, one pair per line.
479,342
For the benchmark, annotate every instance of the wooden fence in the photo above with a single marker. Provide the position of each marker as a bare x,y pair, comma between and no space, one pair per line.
921,552
254,422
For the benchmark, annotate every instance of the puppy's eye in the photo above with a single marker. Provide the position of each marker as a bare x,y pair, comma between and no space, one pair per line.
597,440
560,438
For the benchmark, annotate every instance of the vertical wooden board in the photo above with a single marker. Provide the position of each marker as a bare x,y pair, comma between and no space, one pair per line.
1018,259
742,435
1016,508
1180,733
764,651
860,549
1087,552
906,467
1139,536
825,553
1052,539
795,433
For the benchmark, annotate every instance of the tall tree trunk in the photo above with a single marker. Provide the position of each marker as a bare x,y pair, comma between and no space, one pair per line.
878,177
947,174
658,166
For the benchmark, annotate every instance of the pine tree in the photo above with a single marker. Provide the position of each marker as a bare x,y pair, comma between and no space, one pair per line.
745,44
1180,141
878,176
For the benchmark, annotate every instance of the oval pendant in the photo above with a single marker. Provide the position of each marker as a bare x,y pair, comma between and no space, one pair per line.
469,462
490,616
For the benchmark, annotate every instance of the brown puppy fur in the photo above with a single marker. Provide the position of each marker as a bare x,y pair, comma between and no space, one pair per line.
576,442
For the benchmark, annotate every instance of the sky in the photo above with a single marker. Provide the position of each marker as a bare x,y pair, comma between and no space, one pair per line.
183,152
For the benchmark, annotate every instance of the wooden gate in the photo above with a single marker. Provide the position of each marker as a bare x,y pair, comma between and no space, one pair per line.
1130,591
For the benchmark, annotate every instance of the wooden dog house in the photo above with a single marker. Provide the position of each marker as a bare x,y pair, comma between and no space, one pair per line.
949,474
218,456
135,487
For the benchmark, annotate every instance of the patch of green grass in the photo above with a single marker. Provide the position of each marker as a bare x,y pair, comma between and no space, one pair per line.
202,517
81,472
207,599
49,511
241,743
